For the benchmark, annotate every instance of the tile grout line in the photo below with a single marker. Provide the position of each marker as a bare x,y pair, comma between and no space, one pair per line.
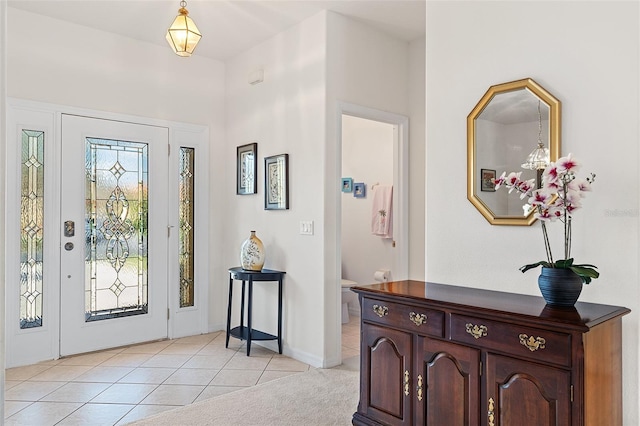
204,343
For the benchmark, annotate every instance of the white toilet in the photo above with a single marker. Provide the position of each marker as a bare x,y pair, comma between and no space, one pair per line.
348,297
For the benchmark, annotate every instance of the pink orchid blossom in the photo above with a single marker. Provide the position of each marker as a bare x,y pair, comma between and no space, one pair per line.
544,215
567,164
500,181
550,175
525,187
580,185
540,198
560,196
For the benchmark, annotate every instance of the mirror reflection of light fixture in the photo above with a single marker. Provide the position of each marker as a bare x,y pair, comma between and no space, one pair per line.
539,157
183,35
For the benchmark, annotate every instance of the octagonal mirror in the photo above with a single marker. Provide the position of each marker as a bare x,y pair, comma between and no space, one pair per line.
509,122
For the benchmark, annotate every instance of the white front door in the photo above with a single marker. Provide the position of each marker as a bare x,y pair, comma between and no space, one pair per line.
91,263
114,213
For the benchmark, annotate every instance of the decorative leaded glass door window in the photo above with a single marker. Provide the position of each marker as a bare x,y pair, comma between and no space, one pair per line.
187,223
116,228
31,228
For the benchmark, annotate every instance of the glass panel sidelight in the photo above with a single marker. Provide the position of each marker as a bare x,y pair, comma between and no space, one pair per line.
31,228
186,230
116,229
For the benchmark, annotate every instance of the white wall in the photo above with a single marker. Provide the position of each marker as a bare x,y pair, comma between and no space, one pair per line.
367,156
107,72
284,114
3,117
417,155
584,53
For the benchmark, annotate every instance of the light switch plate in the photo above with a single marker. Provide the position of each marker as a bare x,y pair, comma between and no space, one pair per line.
306,227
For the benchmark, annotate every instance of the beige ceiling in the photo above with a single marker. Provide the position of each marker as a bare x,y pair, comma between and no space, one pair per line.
229,27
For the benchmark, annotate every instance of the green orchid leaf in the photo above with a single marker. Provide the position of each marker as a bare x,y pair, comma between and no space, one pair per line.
565,263
587,265
525,268
585,271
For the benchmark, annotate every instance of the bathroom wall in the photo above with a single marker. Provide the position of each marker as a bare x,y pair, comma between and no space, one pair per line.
367,156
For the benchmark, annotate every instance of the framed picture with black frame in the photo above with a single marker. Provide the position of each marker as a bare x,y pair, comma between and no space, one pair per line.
276,182
246,169
487,178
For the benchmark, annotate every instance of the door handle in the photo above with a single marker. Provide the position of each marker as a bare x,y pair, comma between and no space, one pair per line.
68,246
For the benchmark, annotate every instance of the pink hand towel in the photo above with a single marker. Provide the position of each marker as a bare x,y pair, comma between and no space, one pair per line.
381,214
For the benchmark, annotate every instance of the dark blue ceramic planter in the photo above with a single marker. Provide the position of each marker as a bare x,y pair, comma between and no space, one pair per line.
560,286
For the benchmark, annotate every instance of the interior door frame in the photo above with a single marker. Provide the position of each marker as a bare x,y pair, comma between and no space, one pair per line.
180,321
400,197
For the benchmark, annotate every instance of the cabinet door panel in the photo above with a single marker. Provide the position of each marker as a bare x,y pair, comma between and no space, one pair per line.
451,375
527,394
385,374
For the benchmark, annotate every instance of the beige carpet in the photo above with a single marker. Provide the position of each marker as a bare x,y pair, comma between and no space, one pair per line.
317,397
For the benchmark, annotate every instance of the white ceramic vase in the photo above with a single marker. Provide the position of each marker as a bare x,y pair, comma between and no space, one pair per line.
252,253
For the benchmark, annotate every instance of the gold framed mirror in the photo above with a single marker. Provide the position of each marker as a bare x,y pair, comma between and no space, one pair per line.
509,122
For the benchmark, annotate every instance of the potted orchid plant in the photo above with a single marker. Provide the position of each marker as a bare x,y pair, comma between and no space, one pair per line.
557,200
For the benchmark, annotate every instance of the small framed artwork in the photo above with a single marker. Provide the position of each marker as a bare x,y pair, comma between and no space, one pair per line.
359,190
487,177
246,169
347,185
276,182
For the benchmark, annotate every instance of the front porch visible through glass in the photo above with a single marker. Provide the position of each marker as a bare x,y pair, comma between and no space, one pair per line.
116,229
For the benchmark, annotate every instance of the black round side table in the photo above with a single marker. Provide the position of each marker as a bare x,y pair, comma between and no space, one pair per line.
248,333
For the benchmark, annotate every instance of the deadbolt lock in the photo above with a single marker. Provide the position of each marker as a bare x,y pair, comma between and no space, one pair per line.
69,228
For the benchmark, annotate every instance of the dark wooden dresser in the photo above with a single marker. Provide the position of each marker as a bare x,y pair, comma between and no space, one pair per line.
440,355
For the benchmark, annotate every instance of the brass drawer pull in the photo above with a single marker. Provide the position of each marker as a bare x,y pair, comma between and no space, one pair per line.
406,382
477,331
380,310
531,343
419,388
417,319
490,413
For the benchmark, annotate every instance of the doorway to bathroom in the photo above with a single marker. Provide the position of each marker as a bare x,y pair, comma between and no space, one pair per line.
373,147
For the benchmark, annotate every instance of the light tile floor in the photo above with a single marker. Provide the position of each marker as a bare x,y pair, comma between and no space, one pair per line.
115,387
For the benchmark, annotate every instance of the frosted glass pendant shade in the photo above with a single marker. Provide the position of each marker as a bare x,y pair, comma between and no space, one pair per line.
538,159
183,35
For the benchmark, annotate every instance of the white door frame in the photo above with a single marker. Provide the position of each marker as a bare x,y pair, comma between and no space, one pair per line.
400,190
181,321
3,139
190,320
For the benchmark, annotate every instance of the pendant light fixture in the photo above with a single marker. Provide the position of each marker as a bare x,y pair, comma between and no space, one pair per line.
183,35
539,158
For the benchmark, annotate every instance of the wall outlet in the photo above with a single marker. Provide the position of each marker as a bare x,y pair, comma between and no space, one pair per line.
306,227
